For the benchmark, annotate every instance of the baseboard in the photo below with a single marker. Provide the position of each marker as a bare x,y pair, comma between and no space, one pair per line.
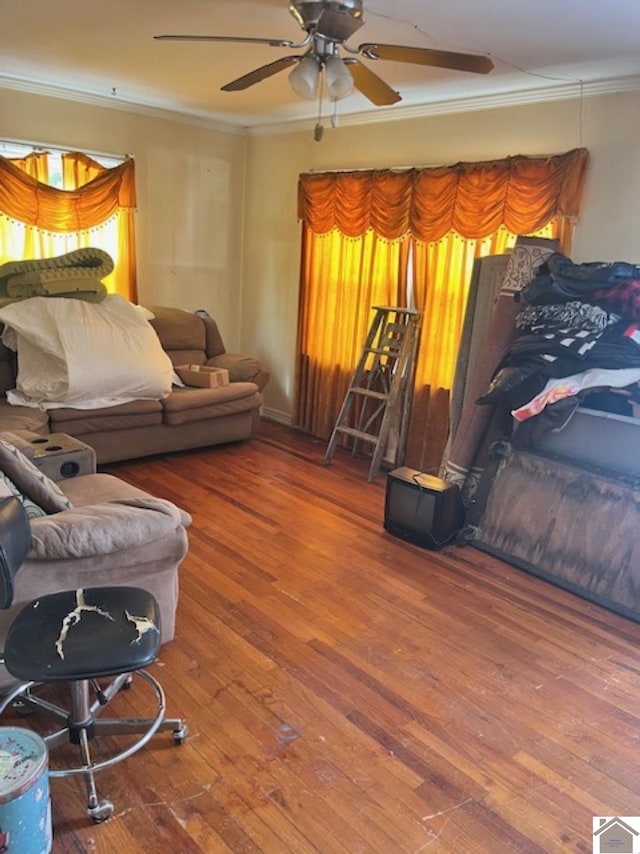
276,415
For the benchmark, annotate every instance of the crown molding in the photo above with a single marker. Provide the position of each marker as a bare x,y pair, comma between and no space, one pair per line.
209,121
512,97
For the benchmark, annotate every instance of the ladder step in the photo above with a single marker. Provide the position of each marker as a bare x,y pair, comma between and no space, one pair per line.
357,434
384,351
367,392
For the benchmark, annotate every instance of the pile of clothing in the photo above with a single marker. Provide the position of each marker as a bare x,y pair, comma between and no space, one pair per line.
578,333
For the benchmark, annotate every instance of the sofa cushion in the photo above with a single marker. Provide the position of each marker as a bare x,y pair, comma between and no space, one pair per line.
178,329
98,487
242,369
187,357
104,528
77,422
185,405
23,418
182,330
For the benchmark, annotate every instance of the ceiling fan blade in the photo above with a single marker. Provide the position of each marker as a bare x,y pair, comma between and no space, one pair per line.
372,87
427,56
259,74
336,26
242,39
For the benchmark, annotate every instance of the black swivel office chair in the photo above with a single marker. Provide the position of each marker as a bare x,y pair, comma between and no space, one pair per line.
79,637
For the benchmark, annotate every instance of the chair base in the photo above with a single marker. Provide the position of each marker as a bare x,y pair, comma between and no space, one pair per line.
82,723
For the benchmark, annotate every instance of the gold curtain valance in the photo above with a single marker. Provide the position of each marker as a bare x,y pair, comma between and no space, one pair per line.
474,199
27,200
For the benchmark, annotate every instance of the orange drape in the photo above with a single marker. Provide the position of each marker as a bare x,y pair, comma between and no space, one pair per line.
30,201
357,228
32,243
520,193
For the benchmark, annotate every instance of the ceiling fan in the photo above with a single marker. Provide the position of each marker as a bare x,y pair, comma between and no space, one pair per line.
328,25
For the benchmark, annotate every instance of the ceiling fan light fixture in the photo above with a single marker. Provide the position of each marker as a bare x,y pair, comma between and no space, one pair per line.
338,78
304,78
328,26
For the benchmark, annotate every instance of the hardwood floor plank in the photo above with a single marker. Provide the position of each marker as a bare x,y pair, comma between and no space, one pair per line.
347,691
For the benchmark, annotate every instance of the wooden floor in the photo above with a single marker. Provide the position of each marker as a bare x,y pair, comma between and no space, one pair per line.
349,692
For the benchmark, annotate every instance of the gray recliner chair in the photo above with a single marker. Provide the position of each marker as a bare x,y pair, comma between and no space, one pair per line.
95,545
92,530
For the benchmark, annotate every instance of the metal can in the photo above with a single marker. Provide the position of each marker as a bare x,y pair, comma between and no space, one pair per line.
25,805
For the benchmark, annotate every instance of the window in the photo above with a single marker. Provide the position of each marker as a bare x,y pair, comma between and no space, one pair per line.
76,201
367,236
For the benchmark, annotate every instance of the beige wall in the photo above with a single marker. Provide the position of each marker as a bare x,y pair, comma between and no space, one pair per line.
217,225
609,126
190,191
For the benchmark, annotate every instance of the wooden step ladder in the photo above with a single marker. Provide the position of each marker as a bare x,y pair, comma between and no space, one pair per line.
383,383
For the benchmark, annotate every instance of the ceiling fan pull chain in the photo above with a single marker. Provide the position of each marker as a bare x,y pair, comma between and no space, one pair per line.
318,131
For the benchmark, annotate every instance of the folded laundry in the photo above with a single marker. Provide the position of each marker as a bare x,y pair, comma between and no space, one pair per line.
560,279
623,298
78,273
560,341
576,314
590,272
570,387
518,383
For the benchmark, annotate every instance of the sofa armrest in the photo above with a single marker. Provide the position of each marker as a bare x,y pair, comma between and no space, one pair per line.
242,368
105,528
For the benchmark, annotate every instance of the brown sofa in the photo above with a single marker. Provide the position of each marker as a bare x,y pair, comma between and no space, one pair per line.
188,418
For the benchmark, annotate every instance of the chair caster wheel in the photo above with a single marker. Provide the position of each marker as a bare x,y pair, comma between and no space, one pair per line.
101,812
180,735
22,710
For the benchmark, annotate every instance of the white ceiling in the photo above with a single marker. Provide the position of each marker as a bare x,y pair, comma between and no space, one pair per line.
106,50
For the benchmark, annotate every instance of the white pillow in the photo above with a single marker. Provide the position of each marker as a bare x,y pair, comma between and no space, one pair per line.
84,355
